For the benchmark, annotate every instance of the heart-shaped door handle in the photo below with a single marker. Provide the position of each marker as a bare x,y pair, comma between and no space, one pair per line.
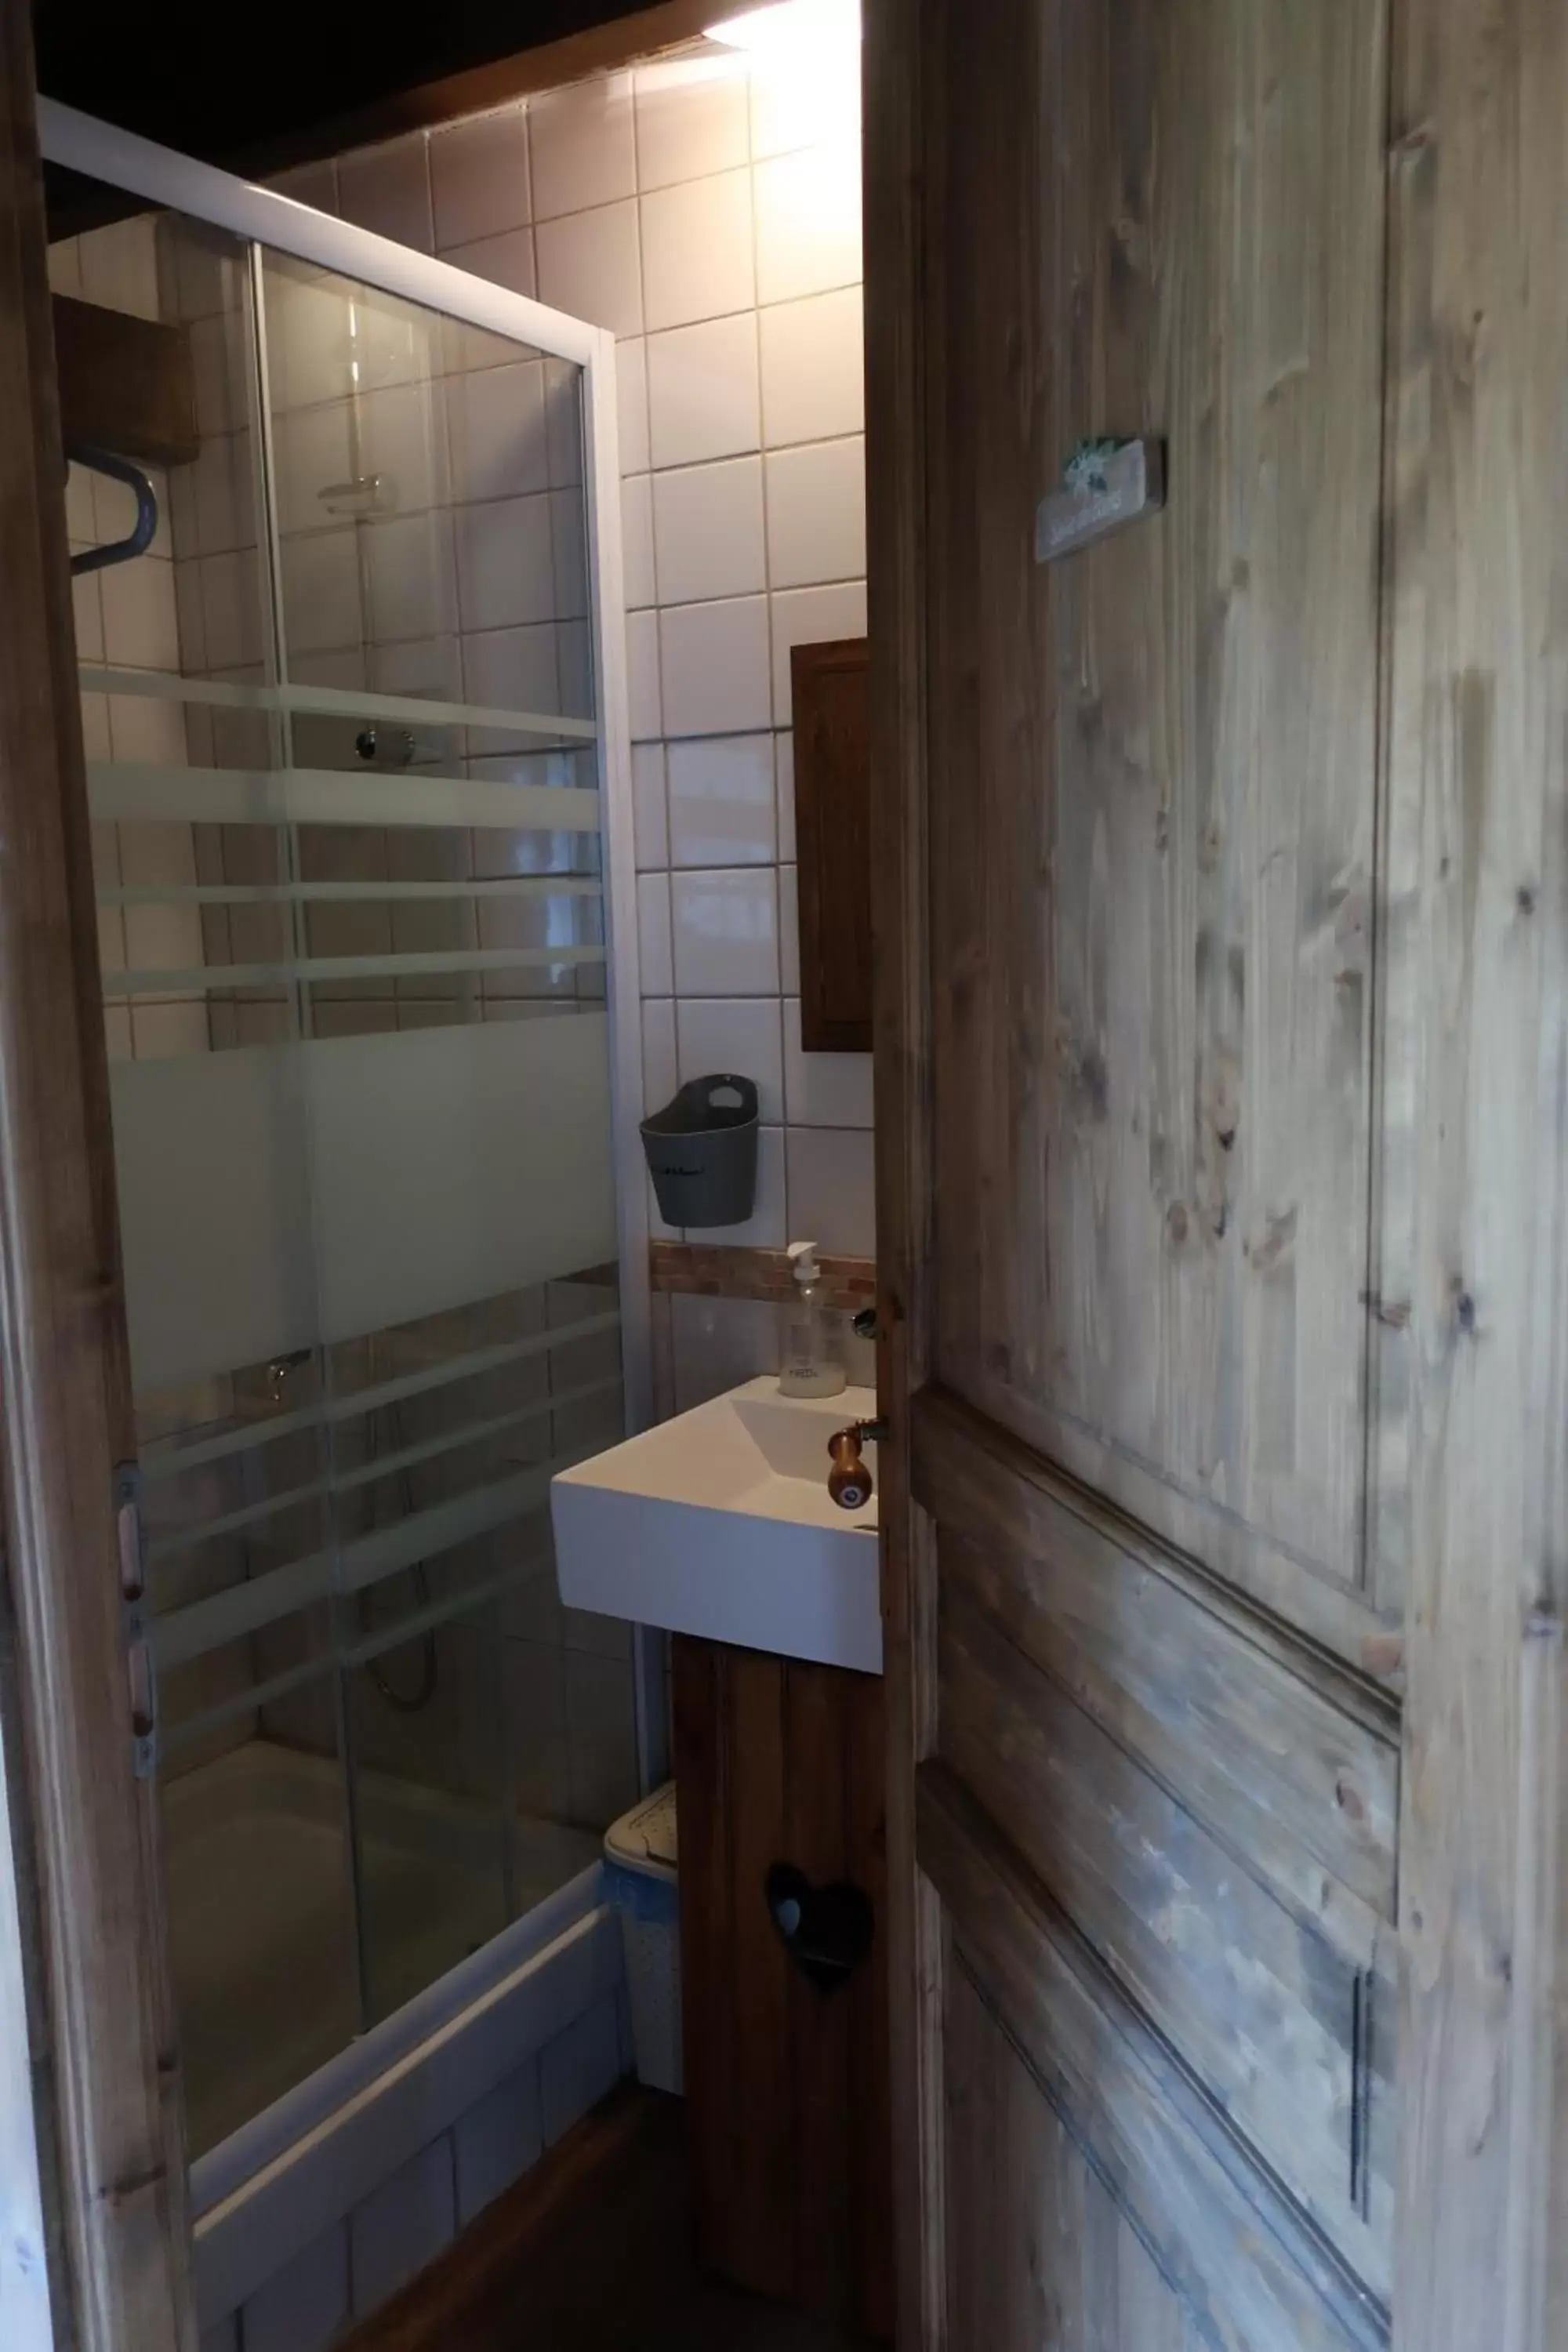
828,1931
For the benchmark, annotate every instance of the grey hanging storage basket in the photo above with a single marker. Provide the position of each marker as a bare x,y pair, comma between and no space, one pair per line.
702,1151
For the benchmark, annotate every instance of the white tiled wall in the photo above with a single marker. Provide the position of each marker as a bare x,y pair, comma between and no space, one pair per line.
705,206
127,617
352,2267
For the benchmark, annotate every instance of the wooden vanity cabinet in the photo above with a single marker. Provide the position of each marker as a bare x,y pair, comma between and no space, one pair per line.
778,1761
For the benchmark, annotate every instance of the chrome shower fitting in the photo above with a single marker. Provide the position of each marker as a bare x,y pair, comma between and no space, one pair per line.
279,1369
389,742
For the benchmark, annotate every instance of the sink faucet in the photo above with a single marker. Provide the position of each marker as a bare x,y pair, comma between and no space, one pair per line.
849,1480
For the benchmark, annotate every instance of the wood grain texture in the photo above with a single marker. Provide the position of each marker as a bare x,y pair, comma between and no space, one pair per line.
1040,2252
1475,1089
1293,1758
1252,2273
125,384
105,2084
832,760
1263,2008
1232,912
786,2085
1152,1025
901,150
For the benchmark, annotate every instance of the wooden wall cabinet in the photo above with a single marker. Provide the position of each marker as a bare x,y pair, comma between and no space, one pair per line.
833,831
786,2085
126,384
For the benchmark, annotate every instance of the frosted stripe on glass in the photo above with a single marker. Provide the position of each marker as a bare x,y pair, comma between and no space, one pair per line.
185,1734
425,1535
156,981
172,1457
446,1165
223,1617
406,1629
126,792
269,894
331,701
288,1498
462,1603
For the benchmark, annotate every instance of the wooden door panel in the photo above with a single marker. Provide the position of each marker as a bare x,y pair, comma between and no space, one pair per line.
1222,1161
1294,1759
1212,1805
1152,1112
1250,2271
1161,1797
1271,2018
1040,2253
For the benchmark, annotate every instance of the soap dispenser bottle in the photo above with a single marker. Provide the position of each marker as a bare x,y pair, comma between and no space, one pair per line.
811,1365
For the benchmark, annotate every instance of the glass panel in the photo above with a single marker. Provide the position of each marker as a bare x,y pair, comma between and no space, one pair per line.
343,774
261,1911
430,1767
432,518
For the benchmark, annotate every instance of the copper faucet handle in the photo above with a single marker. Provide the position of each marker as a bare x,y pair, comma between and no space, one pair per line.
849,1480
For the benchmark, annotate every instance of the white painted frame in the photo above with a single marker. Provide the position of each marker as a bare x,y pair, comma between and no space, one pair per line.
265,2194
260,215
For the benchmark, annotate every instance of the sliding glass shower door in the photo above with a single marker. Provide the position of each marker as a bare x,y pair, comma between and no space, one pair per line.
346,755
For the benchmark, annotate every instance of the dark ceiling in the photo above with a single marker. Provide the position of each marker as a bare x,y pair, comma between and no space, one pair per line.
256,87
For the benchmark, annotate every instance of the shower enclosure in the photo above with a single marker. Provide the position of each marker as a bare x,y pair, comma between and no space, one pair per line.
358,776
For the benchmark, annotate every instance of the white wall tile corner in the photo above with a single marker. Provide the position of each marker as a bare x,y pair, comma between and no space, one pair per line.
717,1343
699,259
809,616
654,946
650,814
708,539
304,2305
812,367
480,177
723,801
691,117
403,2225
738,1034
704,391
713,667
589,263
817,513
724,926
823,1090
583,145
578,2067
660,1053
832,1188
497,2141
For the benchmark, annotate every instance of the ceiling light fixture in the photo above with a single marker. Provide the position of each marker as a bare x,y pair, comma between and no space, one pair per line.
787,22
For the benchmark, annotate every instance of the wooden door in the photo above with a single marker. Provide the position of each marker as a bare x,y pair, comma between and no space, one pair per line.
1221,1064
95,2242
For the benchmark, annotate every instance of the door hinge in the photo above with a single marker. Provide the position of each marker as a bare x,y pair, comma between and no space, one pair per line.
131,1549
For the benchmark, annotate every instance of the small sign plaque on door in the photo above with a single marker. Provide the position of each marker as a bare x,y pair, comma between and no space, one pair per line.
1106,486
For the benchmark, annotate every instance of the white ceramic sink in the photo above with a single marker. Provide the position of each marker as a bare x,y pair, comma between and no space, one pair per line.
719,1523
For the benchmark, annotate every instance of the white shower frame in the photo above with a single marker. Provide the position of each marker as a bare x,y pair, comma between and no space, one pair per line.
260,215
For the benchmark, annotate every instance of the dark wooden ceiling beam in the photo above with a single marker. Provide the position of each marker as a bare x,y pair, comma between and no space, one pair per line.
283,118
